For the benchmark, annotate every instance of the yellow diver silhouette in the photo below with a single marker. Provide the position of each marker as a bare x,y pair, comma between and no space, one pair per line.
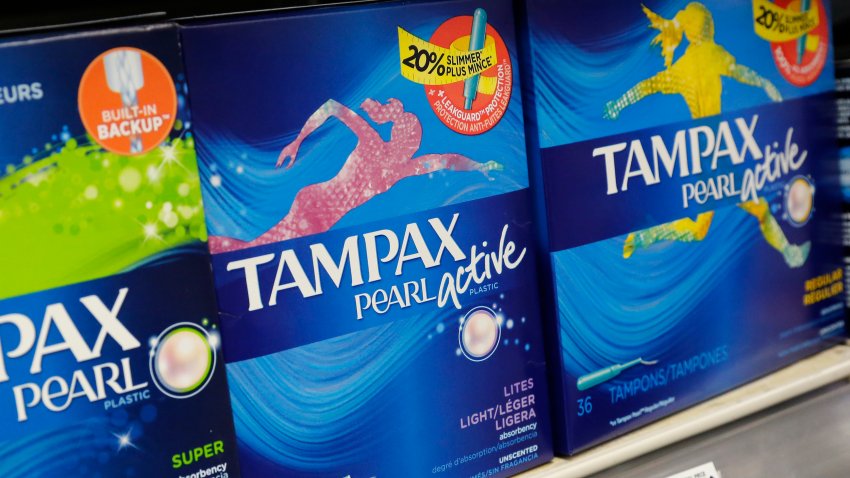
697,77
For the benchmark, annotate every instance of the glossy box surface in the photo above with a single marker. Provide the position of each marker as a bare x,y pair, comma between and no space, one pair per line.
110,357
373,261
685,171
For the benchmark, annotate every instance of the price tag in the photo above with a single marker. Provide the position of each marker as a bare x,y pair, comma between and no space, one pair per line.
706,470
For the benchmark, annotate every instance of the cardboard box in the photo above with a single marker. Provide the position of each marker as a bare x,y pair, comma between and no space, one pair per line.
371,234
110,357
686,189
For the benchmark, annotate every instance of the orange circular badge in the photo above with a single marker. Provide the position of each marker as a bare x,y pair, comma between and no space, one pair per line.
127,101
477,111
802,60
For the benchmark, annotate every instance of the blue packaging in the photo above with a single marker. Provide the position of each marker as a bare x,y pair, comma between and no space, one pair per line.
842,88
686,184
366,185
110,356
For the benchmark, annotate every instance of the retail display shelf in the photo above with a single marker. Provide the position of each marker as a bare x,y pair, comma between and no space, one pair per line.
805,376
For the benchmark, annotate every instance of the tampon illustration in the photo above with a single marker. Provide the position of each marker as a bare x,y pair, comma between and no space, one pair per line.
801,42
124,76
603,375
476,42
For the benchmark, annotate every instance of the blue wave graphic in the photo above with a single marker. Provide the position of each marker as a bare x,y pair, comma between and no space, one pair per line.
62,452
312,408
251,195
573,83
612,310
579,68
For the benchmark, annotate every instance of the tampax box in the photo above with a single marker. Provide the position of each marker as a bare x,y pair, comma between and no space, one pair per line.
685,169
110,363
842,87
365,179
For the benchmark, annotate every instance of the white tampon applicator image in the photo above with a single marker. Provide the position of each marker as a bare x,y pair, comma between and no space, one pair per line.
124,76
600,376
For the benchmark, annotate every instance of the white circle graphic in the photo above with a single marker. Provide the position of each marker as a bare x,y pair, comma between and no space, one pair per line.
479,334
182,360
799,200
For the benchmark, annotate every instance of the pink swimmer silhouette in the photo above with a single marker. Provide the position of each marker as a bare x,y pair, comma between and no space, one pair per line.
372,168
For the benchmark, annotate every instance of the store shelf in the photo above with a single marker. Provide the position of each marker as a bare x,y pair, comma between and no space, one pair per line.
808,375
804,437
